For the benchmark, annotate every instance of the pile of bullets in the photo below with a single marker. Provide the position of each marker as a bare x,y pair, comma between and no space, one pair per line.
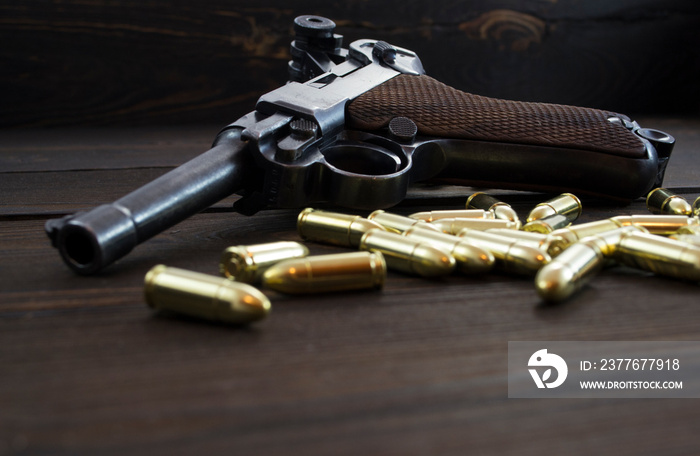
487,234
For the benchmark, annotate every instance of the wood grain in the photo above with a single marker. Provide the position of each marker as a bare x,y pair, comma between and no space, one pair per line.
153,63
417,368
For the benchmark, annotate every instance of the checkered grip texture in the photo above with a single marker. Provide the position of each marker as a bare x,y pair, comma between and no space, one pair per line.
441,111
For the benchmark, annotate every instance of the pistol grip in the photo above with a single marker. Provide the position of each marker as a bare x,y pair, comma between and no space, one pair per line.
440,111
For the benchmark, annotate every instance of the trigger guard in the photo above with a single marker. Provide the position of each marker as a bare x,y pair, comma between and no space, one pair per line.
366,176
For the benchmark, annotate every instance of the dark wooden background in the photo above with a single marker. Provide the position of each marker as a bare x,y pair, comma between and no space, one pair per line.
418,368
160,62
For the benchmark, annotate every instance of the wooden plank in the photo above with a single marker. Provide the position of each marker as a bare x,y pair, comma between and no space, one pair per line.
88,167
29,254
51,194
416,367
101,148
271,390
75,62
25,242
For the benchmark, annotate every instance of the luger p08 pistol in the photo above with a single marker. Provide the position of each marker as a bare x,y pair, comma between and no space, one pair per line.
355,127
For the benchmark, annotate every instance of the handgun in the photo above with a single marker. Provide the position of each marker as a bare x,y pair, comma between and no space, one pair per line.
355,127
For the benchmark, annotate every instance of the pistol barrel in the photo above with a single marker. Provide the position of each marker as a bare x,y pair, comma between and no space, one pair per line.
89,241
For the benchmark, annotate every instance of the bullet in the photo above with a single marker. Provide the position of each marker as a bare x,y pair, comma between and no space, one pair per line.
327,273
247,263
470,258
687,238
565,204
333,227
689,229
408,255
511,256
487,202
204,296
549,243
696,207
568,272
396,223
658,224
575,266
547,224
455,225
608,241
662,201
574,233
431,216
660,255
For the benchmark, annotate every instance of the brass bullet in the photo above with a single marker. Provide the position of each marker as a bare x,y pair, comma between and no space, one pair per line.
396,223
333,227
327,273
455,225
608,241
499,209
696,207
687,238
431,216
574,233
511,255
247,263
662,201
575,266
565,204
658,224
568,272
664,256
408,255
204,296
470,258
550,243
547,224
689,229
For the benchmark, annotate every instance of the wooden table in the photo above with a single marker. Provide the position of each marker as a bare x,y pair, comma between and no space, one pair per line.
417,368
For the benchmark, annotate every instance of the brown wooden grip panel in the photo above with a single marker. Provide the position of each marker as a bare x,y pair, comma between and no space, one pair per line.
441,111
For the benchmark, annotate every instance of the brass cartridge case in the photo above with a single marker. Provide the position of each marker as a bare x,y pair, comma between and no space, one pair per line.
396,223
327,273
431,216
247,263
470,258
455,225
204,296
608,241
696,207
565,204
663,256
511,255
658,224
574,233
333,227
662,201
409,255
547,224
689,229
549,243
499,209
575,266
687,238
